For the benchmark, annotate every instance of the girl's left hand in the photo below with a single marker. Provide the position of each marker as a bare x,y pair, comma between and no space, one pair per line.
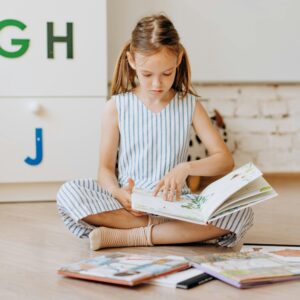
171,184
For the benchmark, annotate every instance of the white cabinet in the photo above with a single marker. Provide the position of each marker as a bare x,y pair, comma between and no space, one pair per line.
70,139
51,101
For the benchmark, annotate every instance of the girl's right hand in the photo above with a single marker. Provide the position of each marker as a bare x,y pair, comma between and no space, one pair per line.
124,197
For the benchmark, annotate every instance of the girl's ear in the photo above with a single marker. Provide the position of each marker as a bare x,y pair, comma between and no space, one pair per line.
130,60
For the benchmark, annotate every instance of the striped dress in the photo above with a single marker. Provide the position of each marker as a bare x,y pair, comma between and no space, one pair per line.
151,144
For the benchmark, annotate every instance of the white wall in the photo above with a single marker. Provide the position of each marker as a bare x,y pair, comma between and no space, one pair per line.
262,122
227,40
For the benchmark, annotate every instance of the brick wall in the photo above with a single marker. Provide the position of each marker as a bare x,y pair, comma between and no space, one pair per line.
262,120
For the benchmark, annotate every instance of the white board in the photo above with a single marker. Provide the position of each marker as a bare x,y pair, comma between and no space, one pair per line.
33,73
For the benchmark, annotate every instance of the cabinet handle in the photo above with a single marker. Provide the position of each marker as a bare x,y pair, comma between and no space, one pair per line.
35,107
39,149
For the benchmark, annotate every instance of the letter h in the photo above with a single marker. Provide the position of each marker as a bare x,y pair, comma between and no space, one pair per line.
51,39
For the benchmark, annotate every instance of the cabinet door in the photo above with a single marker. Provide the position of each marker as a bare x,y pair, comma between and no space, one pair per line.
60,48
53,80
70,139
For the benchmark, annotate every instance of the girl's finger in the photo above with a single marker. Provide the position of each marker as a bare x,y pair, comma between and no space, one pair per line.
131,183
172,192
158,187
178,192
166,189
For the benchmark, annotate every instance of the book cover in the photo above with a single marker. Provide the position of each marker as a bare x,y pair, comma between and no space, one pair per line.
123,268
237,190
247,269
287,253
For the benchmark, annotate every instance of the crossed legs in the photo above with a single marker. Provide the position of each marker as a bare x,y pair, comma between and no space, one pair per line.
119,228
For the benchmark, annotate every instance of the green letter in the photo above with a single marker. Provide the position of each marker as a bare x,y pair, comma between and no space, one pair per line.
23,43
62,39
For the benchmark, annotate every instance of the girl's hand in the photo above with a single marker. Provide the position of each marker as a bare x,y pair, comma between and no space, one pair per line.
124,197
171,184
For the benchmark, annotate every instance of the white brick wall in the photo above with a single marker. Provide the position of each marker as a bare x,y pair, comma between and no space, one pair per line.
263,120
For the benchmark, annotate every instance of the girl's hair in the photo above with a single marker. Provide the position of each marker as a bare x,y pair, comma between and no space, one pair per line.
150,35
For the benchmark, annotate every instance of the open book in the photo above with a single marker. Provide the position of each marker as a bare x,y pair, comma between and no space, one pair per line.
123,268
248,269
237,190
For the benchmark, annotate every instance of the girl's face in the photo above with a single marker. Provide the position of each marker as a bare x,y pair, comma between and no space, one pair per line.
156,73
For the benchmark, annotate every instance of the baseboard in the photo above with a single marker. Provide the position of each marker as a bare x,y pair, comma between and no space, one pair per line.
36,191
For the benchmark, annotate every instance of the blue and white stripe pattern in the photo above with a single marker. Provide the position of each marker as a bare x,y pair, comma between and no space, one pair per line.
150,145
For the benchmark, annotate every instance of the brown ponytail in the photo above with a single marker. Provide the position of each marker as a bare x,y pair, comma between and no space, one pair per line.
123,77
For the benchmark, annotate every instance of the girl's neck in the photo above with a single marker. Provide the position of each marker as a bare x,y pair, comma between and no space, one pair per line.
147,99
154,105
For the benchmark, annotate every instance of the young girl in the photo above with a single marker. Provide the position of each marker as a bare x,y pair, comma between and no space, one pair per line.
145,128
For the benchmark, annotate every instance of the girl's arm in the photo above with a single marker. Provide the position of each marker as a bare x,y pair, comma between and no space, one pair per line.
107,178
108,148
219,161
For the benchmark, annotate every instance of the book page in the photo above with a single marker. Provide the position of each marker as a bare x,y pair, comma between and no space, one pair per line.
255,198
172,279
240,205
219,191
184,209
258,187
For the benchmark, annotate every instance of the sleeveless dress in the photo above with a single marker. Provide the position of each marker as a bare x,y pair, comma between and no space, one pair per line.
150,145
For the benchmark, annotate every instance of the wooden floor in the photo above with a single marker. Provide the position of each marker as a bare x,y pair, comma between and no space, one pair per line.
34,244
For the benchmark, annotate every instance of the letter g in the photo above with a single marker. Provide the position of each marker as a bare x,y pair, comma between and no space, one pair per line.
24,43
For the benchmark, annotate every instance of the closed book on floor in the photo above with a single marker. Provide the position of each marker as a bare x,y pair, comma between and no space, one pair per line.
123,268
247,269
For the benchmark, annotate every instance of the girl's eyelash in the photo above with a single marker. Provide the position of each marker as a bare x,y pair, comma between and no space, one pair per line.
148,75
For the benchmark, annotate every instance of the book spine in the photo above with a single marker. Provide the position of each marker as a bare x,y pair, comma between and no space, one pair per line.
194,281
216,275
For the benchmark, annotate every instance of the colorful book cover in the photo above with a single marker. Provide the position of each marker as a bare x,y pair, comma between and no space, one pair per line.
247,269
123,268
